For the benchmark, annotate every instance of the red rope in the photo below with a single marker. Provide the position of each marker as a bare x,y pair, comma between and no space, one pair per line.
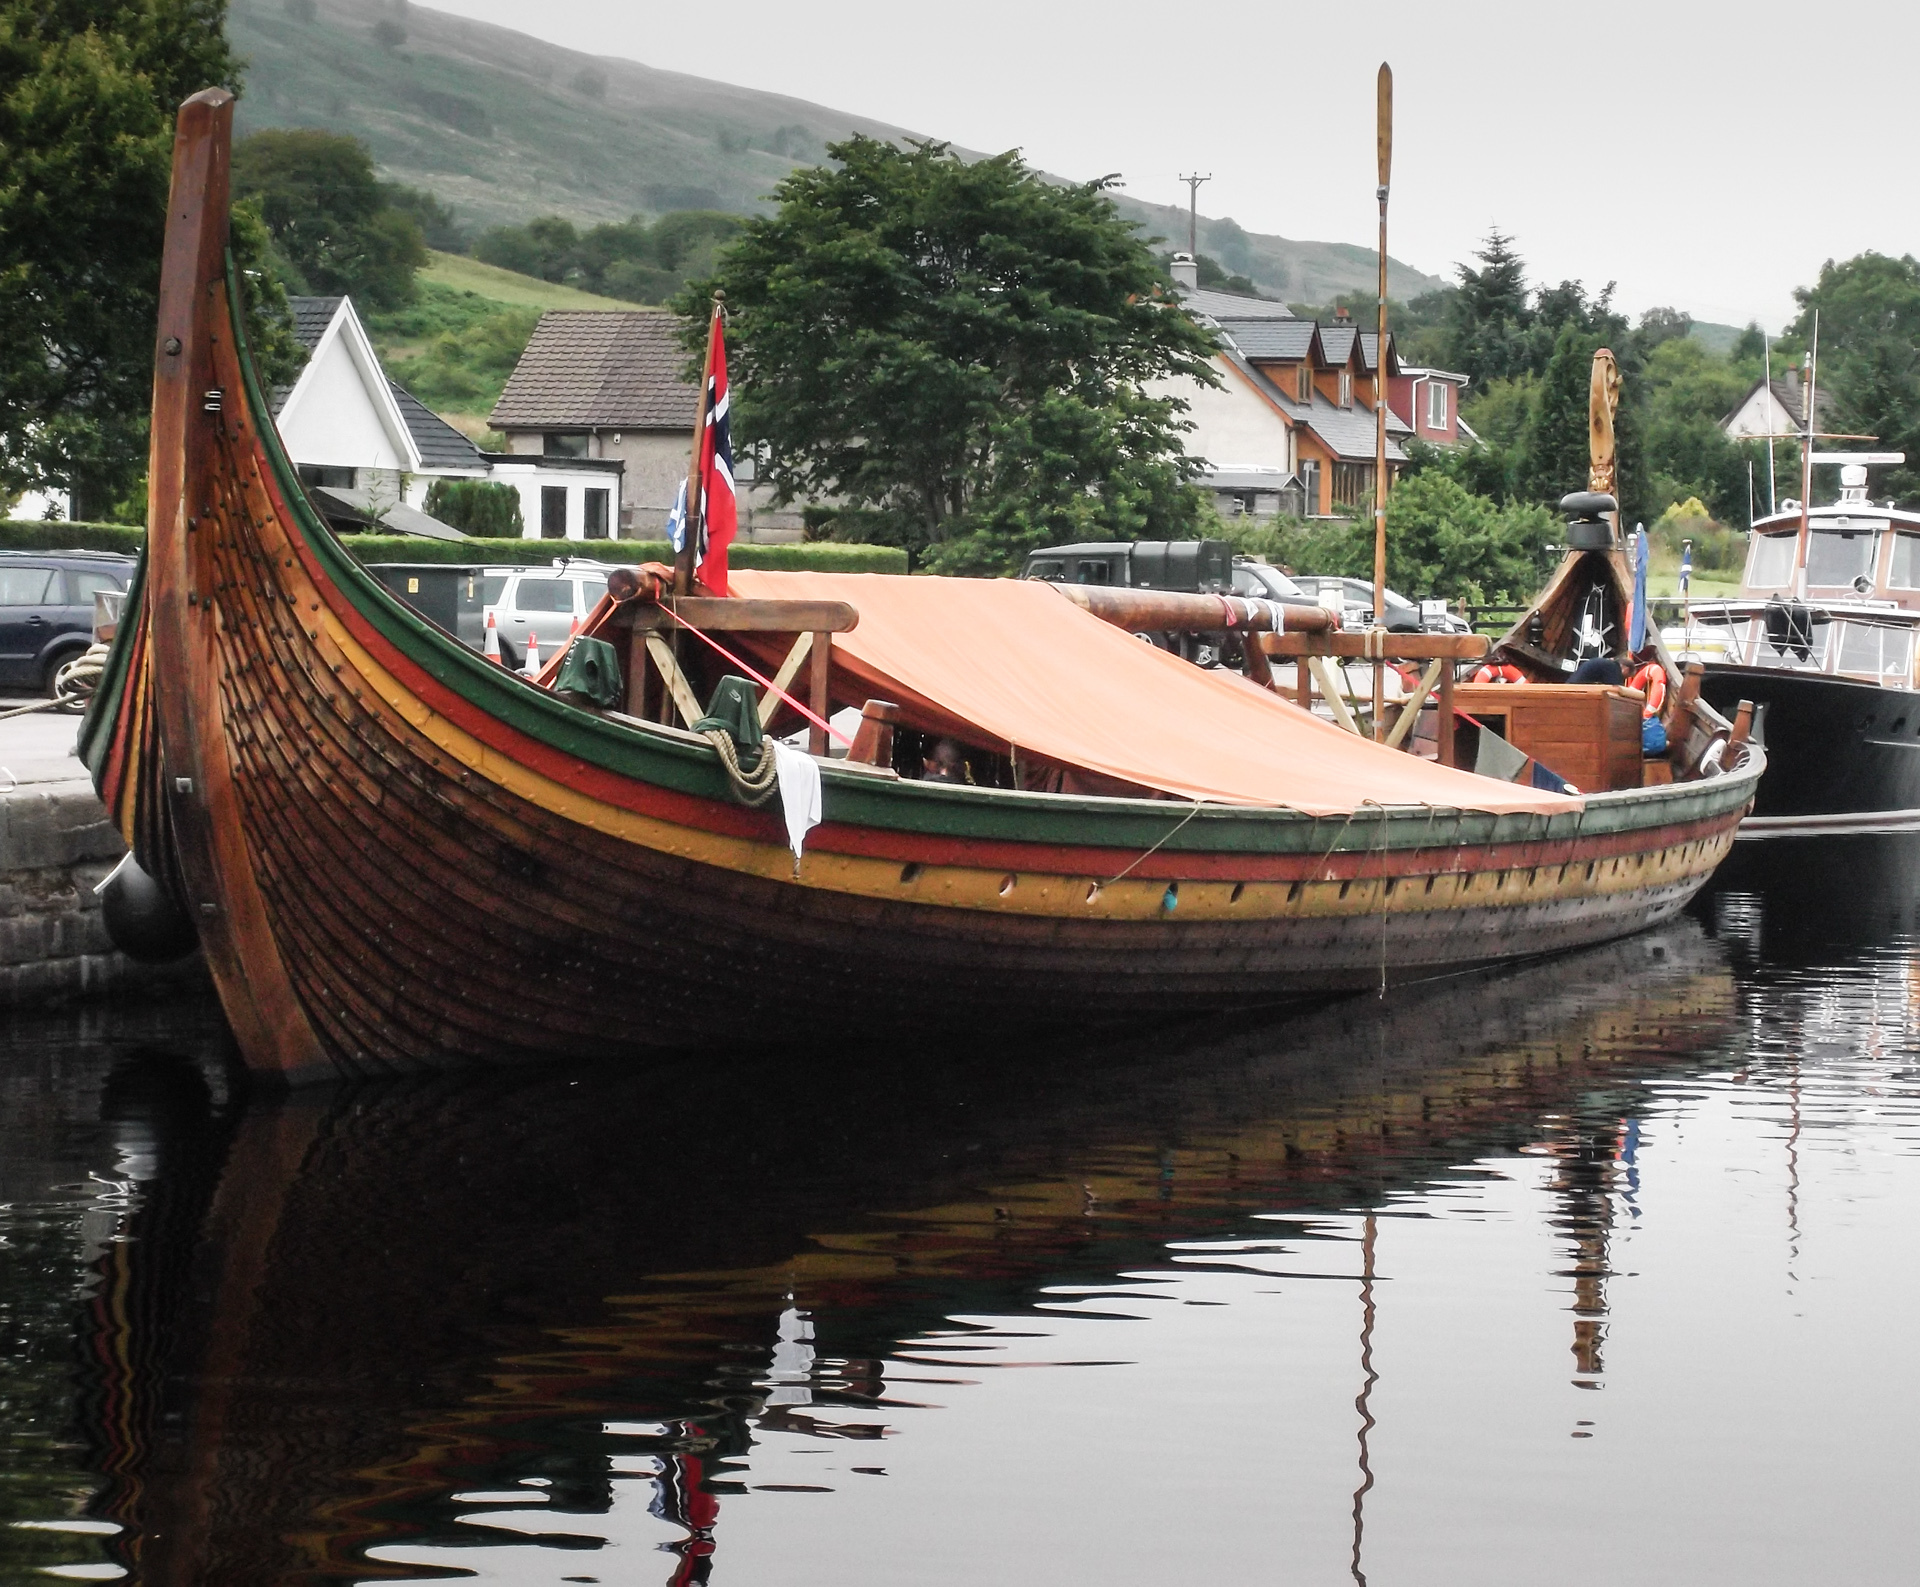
757,677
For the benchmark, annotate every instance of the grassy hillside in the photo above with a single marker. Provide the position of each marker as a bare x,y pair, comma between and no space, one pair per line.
455,346
460,274
503,127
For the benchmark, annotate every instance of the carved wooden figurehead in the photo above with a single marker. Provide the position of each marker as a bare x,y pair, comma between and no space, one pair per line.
1603,401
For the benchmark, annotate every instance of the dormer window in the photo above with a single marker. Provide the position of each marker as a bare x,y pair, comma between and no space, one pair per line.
1303,384
1346,388
1436,405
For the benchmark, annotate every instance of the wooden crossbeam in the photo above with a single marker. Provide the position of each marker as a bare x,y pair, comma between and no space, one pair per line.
1411,712
1331,689
675,679
783,679
716,615
1393,647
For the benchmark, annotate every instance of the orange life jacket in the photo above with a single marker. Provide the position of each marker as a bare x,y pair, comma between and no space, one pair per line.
1651,680
1499,672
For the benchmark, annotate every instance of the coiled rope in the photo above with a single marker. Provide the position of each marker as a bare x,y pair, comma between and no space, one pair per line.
752,788
73,685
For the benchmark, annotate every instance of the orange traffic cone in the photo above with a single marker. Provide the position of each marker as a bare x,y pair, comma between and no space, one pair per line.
492,650
532,668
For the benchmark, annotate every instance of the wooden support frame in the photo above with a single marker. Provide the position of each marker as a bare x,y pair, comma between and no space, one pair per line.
1333,693
1410,712
783,679
677,688
822,652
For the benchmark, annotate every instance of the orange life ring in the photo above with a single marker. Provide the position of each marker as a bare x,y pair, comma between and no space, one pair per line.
1651,680
1499,672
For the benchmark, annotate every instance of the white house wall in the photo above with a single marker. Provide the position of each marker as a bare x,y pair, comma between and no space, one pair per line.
1233,425
332,420
1761,414
529,480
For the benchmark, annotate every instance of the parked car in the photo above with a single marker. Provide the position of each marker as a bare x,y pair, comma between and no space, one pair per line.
1187,566
542,601
1354,600
46,610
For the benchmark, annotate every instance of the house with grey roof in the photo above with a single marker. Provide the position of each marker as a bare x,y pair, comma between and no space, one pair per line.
368,449
1777,408
1291,426
611,385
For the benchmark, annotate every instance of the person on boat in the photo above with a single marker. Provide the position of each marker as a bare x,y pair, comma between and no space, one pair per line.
1497,668
1599,669
944,763
1650,678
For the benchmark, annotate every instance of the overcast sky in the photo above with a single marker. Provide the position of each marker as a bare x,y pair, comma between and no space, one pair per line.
1655,144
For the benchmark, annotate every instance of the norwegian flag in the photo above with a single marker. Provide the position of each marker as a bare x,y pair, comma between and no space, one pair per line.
719,513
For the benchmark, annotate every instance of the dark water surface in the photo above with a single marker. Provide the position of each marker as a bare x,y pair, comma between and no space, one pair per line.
1603,1270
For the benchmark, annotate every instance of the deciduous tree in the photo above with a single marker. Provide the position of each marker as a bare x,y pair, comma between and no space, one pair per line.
331,221
960,354
88,91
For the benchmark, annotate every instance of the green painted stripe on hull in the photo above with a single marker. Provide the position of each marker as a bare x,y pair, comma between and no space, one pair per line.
109,696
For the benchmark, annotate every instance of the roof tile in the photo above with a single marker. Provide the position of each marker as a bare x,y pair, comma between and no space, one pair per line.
588,369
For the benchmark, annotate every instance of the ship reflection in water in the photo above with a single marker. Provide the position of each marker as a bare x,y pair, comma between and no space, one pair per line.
1598,1270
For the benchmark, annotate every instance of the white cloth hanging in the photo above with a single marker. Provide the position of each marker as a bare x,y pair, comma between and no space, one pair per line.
799,775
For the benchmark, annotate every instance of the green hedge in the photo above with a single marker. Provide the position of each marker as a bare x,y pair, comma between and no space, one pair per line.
37,534
824,556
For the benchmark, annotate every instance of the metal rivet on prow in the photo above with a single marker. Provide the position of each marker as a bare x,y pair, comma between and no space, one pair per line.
170,346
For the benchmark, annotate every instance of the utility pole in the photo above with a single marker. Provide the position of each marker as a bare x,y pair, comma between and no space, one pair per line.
1193,211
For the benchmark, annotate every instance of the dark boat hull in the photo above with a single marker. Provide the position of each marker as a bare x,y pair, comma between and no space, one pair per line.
1842,755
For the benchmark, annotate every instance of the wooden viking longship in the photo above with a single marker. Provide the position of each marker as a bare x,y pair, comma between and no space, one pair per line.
398,856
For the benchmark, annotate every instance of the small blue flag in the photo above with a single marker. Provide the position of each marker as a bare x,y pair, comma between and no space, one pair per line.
1637,633
1686,569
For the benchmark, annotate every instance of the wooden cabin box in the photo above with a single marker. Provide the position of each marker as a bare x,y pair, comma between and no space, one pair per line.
1588,733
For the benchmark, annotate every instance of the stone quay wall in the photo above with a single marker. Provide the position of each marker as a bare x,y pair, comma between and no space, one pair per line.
56,846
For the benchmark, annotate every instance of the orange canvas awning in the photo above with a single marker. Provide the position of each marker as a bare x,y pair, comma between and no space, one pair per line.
1011,662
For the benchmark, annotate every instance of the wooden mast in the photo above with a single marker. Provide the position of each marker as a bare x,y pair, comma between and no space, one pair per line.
689,554
1383,130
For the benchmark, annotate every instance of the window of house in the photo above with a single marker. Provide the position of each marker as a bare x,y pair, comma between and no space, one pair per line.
596,515
1436,405
324,476
1310,480
564,444
1346,388
1303,384
553,512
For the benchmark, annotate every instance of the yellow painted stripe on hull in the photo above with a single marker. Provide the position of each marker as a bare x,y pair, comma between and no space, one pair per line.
1028,893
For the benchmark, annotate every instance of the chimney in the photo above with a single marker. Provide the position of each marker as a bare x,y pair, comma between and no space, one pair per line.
1186,273
1342,317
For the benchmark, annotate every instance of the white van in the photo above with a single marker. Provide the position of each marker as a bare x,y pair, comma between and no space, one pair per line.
526,601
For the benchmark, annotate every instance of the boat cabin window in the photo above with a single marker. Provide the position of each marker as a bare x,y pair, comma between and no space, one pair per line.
544,595
1903,569
1838,555
1772,654
1878,650
1770,563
